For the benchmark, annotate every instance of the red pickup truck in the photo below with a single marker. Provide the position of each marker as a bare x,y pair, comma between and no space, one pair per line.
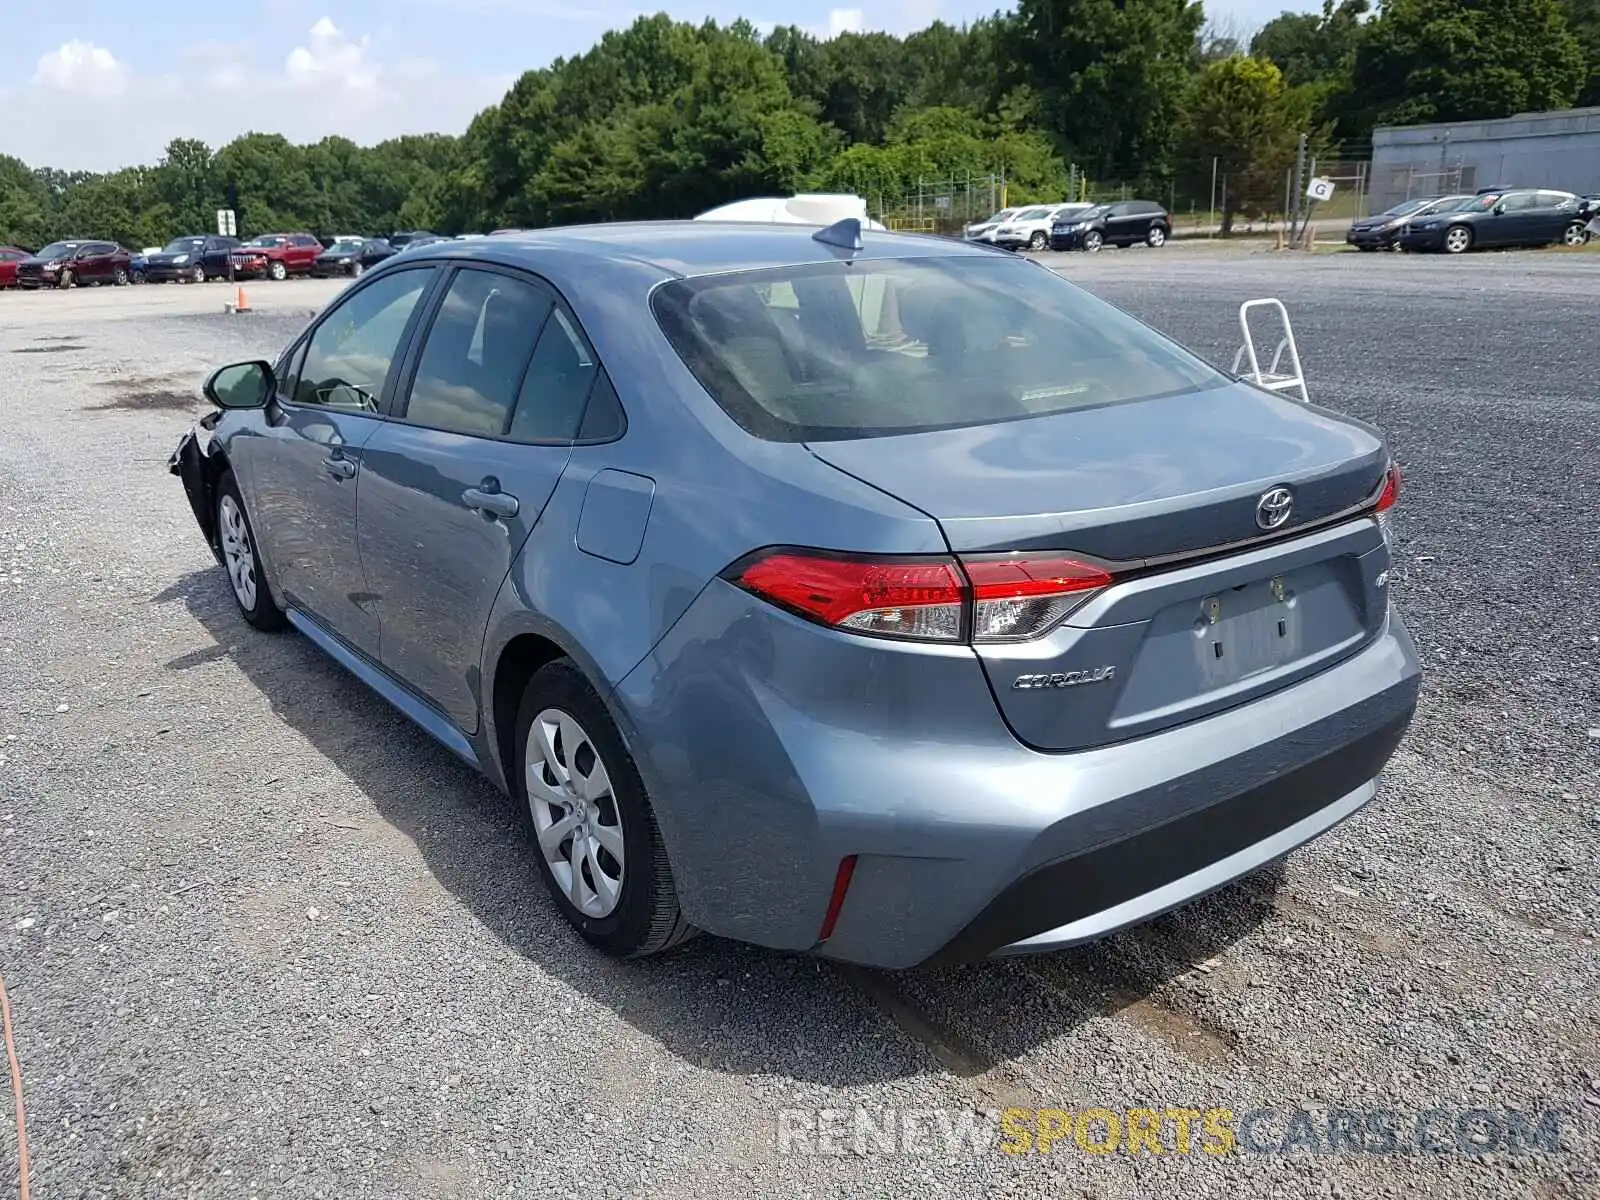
275,255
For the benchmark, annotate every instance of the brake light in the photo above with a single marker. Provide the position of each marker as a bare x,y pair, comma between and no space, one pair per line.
1391,489
989,599
1016,598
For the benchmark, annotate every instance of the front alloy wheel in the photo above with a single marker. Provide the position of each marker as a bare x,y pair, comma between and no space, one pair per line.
1038,240
1093,240
278,271
236,544
1457,239
197,274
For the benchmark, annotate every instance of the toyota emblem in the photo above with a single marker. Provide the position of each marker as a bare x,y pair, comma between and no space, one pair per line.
1274,507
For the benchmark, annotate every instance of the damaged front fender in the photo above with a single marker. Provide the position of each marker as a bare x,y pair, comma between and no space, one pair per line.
199,466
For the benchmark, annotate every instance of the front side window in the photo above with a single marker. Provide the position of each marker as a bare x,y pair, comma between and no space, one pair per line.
886,346
476,354
352,351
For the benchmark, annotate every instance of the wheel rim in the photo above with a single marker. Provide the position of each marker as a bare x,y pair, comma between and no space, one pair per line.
122,277
1036,242
237,552
1157,237
279,270
1091,241
198,274
1456,241
355,269
575,813
66,279
1575,235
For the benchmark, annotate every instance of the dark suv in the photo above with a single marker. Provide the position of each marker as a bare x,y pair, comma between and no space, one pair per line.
192,259
66,264
276,255
1123,223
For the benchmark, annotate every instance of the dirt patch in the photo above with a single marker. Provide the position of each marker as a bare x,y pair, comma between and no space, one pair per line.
151,400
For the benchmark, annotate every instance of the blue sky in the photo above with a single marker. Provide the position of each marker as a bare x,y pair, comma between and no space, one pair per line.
97,84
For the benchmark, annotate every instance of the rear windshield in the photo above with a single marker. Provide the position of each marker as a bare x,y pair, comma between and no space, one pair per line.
839,350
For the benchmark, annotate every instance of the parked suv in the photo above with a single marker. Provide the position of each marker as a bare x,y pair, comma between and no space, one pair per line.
1525,217
192,259
67,264
1015,624
276,255
983,231
1123,223
1030,227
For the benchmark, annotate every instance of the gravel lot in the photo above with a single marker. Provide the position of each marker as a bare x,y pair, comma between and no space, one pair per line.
262,939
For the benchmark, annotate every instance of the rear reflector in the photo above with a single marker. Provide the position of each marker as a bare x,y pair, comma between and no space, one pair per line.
841,885
998,598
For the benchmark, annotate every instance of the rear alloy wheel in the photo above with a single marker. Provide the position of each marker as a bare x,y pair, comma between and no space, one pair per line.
1156,238
1038,241
237,544
593,831
1093,240
278,271
197,274
1574,235
1457,239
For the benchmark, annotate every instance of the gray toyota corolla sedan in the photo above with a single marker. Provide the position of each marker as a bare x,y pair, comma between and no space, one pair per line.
882,596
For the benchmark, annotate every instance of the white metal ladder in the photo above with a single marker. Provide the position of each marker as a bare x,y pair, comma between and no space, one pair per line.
1275,378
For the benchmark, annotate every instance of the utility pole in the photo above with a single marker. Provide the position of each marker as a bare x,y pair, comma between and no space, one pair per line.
1299,187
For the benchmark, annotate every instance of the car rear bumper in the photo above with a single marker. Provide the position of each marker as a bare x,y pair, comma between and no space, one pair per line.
768,769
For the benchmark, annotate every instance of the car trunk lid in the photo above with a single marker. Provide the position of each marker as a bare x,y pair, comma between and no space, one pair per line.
1209,609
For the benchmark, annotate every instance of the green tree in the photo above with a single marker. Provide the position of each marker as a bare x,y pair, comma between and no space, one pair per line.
1583,18
1240,112
1313,47
1455,60
1110,76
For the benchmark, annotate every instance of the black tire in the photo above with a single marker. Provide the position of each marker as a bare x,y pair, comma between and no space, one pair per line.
1156,237
1093,239
198,274
120,278
66,280
278,271
1453,245
647,919
263,613
1039,240
1575,234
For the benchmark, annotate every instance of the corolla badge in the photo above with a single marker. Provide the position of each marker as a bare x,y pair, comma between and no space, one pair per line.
1064,679
1274,507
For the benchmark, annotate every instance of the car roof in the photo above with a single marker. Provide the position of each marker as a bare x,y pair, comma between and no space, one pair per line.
652,251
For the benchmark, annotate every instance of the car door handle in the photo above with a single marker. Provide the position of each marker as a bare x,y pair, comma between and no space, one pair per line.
490,504
339,468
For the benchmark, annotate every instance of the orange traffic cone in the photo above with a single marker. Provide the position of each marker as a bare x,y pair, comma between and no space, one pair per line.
241,304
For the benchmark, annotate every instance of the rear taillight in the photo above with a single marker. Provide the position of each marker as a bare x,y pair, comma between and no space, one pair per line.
919,598
995,598
1016,597
1391,490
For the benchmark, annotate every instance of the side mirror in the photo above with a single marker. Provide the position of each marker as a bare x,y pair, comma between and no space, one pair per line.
1499,210
241,385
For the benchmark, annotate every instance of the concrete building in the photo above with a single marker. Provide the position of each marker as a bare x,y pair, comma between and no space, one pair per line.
1558,149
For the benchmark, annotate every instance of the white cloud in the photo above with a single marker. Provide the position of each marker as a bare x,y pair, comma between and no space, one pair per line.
845,20
80,67
330,83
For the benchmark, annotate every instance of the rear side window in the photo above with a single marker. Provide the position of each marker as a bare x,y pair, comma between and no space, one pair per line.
476,354
560,377
888,346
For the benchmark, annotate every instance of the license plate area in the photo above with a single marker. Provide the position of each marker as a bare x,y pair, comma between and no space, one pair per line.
1245,630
